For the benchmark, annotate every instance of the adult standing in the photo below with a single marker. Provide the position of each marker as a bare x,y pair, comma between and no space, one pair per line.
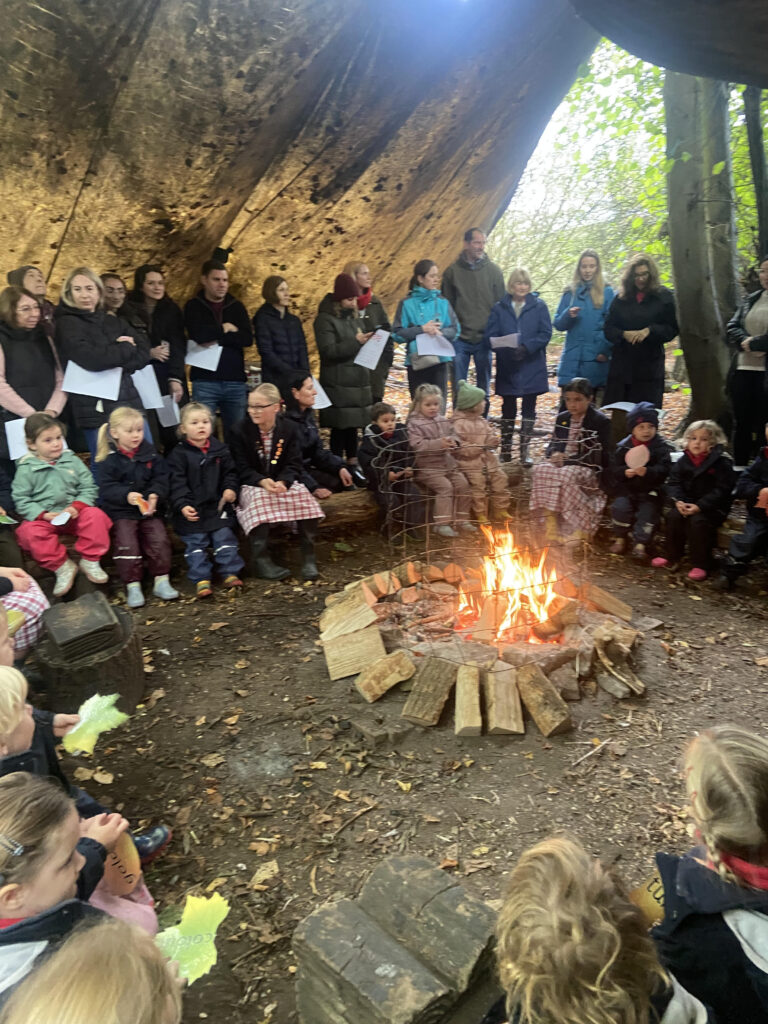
521,372
425,311
323,472
747,335
214,317
641,321
97,340
279,334
581,316
472,284
374,317
31,279
338,337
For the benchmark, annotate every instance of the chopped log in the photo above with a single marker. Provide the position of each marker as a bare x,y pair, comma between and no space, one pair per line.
409,595
460,652
433,573
376,679
346,616
502,701
356,510
453,573
547,656
544,704
407,572
613,646
605,602
431,688
381,583
349,654
583,642
368,595
566,680
468,721
394,583
612,685
491,617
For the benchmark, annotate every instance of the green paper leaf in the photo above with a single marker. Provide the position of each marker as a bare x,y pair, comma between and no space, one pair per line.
192,942
97,715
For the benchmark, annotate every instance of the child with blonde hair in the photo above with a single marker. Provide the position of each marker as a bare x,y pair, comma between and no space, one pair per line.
133,481
476,457
55,494
203,490
699,493
572,949
432,438
714,934
106,971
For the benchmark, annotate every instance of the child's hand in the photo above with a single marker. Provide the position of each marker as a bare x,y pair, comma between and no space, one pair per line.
629,473
73,513
18,577
321,493
105,829
134,497
408,472
556,458
692,509
448,442
762,498
345,476
641,470
62,724
229,496
681,507
190,513
153,500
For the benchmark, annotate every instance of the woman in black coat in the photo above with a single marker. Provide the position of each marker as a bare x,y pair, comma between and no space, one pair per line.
97,340
747,336
278,334
371,311
323,473
641,321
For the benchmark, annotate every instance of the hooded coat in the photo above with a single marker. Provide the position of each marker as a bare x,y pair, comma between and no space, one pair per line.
585,338
421,306
521,370
710,485
347,385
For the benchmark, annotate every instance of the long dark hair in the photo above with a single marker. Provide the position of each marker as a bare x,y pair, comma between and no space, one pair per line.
421,269
627,288
290,383
140,276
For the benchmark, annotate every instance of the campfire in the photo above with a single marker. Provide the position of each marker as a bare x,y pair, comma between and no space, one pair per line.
509,625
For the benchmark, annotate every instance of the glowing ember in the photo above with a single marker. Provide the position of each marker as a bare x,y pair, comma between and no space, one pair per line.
511,592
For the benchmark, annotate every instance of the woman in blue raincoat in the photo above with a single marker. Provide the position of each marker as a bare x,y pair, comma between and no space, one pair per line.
581,315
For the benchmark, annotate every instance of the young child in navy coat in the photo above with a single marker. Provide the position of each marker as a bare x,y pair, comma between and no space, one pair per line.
387,461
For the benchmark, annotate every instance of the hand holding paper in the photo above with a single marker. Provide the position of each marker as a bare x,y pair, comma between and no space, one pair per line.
370,353
204,357
434,345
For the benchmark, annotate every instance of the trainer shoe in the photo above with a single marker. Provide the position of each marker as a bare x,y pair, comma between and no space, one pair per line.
93,571
134,595
65,577
163,589
232,582
204,589
152,843
444,530
468,527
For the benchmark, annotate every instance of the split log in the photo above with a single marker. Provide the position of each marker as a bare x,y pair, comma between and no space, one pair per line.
502,701
564,613
407,572
491,617
460,652
431,688
605,602
612,685
453,573
409,595
613,647
376,679
349,654
346,616
566,680
583,642
356,510
544,704
433,573
547,656
468,721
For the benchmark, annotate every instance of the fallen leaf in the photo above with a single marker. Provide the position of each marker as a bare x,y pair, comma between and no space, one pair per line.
201,720
342,794
216,625
232,720
155,696
318,766
264,874
480,850
103,778
212,886
762,662
471,866
83,774
261,848
448,864
405,786
312,880
212,760
242,663
148,669
182,818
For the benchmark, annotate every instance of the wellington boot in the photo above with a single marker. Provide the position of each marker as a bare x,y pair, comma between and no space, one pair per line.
261,564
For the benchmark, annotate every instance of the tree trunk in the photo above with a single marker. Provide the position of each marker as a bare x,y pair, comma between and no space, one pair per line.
716,128
701,329
753,117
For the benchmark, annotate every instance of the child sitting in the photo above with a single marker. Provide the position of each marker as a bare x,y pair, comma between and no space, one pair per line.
9,547
475,455
50,863
698,499
203,489
752,487
387,461
714,934
55,494
432,439
571,948
638,490
106,971
566,488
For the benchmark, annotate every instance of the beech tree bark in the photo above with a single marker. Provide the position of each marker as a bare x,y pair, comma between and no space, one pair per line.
752,115
720,207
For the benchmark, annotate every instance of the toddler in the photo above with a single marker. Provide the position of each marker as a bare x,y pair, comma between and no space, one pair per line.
637,489
387,461
203,489
698,498
432,439
132,480
475,454
55,494
752,486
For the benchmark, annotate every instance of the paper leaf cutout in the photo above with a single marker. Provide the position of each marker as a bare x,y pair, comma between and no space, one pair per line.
97,715
192,942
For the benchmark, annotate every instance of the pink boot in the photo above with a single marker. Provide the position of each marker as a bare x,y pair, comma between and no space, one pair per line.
697,575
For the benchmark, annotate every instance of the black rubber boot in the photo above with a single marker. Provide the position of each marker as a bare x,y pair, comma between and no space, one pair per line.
526,433
507,433
307,533
262,565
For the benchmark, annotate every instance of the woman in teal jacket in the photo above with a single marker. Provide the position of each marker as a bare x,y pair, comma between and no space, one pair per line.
425,311
581,315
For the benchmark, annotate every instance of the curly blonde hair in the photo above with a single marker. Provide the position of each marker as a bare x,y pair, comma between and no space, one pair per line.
571,948
726,779
716,435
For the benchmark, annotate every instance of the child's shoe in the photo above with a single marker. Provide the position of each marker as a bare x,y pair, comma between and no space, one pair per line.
697,575
639,552
204,589
135,595
468,527
152,843
618,547
724,582
65,577
232,582
444,530
163,589
659,563
93,571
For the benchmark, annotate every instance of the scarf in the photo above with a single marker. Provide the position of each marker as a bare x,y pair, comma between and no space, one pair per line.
755,875
365,298
697,460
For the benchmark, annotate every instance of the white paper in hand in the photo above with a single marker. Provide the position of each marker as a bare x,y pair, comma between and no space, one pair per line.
95,383
145,383
60,519
434,345
322,401
505,341
204,357
168,413
17,442
370,353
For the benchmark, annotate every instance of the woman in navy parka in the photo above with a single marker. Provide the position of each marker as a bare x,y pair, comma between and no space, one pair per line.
581,315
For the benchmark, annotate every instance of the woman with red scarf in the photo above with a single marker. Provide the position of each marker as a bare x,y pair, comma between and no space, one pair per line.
374,317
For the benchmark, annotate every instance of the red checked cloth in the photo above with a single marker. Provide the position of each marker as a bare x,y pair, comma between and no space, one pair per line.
257,506
32,603
570,490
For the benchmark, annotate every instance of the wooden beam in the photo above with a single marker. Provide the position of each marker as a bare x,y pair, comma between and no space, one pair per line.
431,688
468,721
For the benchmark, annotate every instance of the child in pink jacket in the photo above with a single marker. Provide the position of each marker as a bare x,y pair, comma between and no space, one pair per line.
475,456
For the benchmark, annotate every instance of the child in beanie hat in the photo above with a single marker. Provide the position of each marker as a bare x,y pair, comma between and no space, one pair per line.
636,482
476,458
345,287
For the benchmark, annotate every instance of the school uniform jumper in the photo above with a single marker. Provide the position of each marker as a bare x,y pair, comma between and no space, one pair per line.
135,537
753,542
380,455
708,485
437,470
638,501
480,465
198,477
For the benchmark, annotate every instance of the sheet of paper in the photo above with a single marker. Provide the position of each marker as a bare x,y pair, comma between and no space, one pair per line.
624,406
204,357
434,345
322,401
370,353
96,383
17,443
61,519
145,383
505,341
168,413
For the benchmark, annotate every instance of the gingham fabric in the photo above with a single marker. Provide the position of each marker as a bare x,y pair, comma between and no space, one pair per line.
32,603
256,506
571,491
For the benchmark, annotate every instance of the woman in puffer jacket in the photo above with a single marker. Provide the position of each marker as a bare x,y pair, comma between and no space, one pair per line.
581,315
